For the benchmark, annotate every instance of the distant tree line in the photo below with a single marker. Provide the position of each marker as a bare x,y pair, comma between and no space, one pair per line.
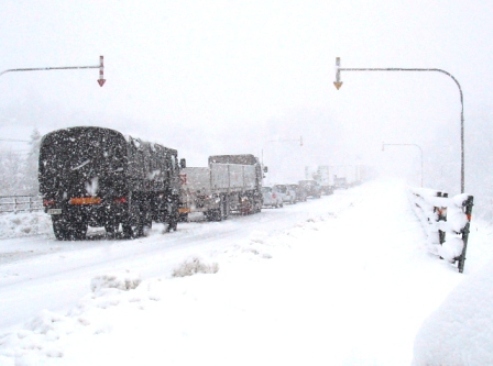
19,171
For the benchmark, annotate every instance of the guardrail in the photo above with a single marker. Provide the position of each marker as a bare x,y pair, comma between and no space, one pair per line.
446,222
20,204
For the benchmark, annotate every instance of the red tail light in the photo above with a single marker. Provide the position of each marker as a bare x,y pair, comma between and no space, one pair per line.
48,203
120,200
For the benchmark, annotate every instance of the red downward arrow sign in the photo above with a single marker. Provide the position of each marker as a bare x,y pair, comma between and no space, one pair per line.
101,79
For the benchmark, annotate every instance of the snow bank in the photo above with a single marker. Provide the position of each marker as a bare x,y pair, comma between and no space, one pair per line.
193,266
125,281
24,224
460,331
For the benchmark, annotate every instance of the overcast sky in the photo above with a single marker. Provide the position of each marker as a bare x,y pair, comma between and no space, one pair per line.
219,77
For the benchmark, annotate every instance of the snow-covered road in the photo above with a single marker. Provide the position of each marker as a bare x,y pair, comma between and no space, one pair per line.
344,280
39,272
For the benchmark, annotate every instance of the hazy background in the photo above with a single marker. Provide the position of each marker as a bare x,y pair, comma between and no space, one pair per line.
227,77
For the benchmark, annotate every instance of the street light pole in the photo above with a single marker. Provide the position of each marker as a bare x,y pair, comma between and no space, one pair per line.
338,84
421,154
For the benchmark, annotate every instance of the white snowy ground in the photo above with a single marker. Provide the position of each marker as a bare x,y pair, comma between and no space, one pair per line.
349,283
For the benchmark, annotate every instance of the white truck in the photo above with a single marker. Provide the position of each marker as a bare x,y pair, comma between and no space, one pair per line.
231,183
323,178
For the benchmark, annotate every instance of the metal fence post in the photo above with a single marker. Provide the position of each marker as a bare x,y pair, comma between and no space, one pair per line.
442,216
467,209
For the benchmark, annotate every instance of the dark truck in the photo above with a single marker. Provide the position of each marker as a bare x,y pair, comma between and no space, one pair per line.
93,176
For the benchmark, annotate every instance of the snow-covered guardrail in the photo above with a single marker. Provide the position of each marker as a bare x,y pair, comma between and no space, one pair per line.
20,203
446,221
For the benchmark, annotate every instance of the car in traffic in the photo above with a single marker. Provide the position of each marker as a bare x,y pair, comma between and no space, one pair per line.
301,195
293,191
272,198
289,194
340,183
311,187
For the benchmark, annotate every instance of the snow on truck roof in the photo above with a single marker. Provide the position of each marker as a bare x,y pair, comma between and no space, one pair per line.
137,142
244,159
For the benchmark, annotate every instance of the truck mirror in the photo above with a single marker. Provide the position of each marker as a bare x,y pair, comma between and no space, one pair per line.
266,169
183,163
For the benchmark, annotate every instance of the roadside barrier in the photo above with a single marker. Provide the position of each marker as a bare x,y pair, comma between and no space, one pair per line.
446,221
20,204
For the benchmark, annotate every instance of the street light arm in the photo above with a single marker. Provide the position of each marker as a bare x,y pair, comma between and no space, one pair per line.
101,79
408,69
338,84
49,68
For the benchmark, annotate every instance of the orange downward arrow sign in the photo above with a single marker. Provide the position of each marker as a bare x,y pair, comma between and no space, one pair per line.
338,84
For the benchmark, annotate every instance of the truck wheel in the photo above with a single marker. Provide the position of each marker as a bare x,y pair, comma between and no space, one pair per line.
213,215
258,207
80,230
225,208
60,228
111,228
146,222
172,224
112,224
133,227
173,217
66,230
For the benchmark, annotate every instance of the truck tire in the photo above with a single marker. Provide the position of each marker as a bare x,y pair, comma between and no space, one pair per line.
214,215
172,224
80,230
221,213
133,227
146,212
111,230
60,228
111,226
69,230
173,216
225,207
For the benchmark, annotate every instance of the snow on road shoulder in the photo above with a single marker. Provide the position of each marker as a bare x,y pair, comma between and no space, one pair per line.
13,225
348,287
460,331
